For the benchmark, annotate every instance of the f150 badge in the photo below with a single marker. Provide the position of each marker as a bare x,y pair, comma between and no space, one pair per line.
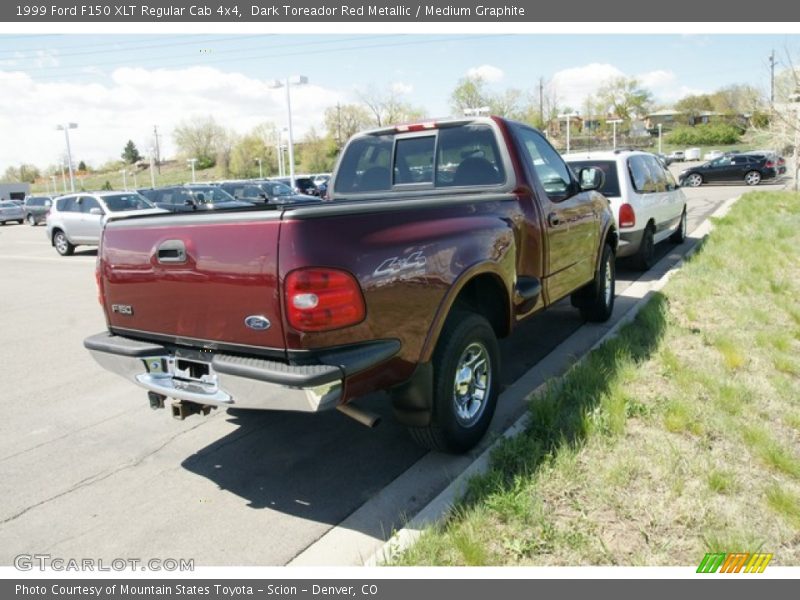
390,266
122,309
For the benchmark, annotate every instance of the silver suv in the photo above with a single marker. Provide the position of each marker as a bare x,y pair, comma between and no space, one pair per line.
647,202
78,219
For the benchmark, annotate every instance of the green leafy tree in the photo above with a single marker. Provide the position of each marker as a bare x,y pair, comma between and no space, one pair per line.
470,92
199,138
82,166
245,155
694,104
345,120
130,154
316,154
625,97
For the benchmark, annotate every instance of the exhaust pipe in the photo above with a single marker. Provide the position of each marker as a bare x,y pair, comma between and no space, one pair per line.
183,408
365,417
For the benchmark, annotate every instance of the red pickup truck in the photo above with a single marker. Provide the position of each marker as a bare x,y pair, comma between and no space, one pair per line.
439,238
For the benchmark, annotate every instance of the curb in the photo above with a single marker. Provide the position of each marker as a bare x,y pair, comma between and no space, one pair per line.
440,506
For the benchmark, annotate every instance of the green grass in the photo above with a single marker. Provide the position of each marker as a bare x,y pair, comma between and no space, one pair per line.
676,438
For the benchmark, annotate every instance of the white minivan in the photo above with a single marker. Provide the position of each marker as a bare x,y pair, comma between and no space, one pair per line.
647,202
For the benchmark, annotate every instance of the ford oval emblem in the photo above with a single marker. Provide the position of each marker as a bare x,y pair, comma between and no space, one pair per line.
257,322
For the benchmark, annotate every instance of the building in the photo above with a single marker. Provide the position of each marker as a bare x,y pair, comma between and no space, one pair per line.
14,191
666,118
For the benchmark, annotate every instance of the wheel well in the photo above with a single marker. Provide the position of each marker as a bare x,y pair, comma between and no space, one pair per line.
53,235
612,238
486,295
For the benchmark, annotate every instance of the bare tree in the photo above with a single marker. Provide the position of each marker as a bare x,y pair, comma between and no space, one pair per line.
387,108
199,138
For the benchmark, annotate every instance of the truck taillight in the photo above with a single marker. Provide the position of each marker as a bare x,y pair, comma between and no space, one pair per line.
627,218
99,281
770,164
319,299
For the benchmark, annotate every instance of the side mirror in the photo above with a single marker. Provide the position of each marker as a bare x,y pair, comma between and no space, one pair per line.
263,196
190,202
591,178
95,211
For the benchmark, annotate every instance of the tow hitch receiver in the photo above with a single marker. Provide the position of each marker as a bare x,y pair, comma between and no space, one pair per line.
183,408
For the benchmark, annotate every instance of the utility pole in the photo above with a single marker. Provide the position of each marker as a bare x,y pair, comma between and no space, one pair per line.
772,78
541,101
339,125
158,150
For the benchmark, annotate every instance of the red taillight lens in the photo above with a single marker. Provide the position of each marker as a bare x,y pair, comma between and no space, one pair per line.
320,299
770,164
627,218
99,281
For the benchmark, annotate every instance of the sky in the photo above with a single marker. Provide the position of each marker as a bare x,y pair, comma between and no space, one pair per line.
118,87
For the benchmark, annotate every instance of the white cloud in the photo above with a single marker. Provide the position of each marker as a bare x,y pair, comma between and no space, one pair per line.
488,73
136,99
402,89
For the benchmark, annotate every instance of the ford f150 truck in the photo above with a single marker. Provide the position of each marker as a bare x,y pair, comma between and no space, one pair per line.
439,238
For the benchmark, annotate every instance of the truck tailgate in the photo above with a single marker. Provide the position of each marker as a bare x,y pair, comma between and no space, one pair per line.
208,280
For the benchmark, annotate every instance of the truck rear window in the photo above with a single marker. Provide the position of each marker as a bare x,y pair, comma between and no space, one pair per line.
610,187
466,155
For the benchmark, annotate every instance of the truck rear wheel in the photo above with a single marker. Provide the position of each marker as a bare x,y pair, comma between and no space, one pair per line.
465,385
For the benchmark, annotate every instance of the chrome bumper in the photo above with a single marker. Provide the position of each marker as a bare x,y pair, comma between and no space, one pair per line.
226,381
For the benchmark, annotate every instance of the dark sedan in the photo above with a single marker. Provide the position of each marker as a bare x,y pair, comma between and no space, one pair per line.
185,198
752,169
264,192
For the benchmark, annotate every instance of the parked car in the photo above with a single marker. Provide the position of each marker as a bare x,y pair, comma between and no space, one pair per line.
402,282
692,154
677,156
663,159
752,169
78,219
36,209
302,184
647,202
192,197
771,156
713,154
264,192
11,211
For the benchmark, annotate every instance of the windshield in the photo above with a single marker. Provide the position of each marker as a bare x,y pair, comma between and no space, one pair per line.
125,202
210,195
277,189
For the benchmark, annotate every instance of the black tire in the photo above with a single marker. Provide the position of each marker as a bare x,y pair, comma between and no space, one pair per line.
596,301
62,244
458,422
20,221
679,235
31,220
645,256
752,178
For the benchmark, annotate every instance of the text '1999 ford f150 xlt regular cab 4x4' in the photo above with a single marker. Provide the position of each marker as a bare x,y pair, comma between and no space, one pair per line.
440,237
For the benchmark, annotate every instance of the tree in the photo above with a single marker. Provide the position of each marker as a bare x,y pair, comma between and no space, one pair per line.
737,99
387,108
25,173
345,120
130,154
694,104
470,92
624,97
316,154
199,139
82,166
244,153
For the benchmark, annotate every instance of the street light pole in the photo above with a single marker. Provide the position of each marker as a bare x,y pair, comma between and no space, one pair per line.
64,178
614,123
135,183
66,127
298,80
260,170
659,138
191,161
55,186
125,179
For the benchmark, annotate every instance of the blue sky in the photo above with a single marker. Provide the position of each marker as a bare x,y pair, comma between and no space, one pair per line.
118,86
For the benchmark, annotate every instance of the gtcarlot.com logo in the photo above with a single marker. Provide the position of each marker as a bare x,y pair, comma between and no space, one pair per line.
43,562
734,562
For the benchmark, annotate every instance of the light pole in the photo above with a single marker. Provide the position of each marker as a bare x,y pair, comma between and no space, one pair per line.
55,186
290,81
260,170
64,179
124,179
65,128
614,123
135,183
568,117
191,161
152,170
659,138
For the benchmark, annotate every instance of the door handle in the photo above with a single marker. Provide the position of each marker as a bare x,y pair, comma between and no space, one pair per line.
553,220
171,251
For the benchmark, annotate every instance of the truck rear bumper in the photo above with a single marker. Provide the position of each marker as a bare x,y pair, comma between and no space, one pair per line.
224,380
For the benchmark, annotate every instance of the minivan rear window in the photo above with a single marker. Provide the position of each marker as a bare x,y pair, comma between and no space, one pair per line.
610,187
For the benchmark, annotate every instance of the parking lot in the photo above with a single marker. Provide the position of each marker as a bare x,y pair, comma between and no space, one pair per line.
91,471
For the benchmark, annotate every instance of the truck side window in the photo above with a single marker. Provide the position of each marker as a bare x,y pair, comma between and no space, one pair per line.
365,166
552,171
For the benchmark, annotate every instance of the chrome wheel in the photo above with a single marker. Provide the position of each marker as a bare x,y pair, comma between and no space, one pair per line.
752,178
62,244
473,378
694,180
